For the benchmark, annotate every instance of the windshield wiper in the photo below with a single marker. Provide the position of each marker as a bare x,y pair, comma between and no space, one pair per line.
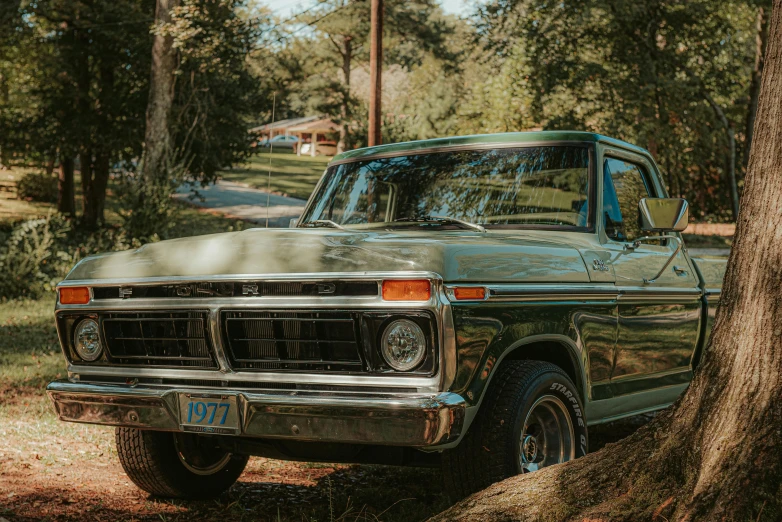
321,223
443,220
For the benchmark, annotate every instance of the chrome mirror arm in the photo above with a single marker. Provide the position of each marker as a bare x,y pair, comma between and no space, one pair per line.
637,243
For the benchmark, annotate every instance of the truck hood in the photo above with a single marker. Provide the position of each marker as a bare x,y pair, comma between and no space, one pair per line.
457,256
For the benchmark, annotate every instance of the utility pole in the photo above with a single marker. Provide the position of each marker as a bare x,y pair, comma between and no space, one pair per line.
375,71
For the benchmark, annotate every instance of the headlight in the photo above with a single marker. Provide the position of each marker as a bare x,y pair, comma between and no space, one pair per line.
403,345
86,340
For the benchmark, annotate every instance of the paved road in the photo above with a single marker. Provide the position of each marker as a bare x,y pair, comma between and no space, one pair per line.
241,202
710,252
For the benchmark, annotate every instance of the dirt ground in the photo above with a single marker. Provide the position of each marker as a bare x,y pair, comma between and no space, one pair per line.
57,471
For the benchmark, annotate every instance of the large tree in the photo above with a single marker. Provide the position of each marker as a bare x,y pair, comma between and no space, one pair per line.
717,453
669,75
157,135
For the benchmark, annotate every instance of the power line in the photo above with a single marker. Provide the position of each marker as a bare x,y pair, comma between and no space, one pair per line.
314,22
292,18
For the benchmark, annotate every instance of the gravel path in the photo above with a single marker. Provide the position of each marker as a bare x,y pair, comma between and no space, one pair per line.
239,201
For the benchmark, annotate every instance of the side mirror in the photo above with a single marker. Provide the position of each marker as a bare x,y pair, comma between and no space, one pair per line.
664,214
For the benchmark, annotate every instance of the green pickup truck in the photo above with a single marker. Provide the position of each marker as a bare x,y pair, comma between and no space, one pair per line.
474,303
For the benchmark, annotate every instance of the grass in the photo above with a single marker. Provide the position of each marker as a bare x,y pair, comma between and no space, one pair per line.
30,355
11,208
292,175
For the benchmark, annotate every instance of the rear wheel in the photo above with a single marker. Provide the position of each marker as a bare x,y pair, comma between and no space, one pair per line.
181,465
531,417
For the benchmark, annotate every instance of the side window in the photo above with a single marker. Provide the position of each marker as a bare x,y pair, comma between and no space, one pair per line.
624,184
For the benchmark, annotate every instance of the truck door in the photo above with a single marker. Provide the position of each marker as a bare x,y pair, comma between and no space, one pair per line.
658,323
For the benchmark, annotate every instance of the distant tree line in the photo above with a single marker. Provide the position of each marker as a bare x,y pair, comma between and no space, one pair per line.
679,78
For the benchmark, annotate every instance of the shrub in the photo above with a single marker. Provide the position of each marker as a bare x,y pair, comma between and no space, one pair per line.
38,253
37,186
149,211
32,262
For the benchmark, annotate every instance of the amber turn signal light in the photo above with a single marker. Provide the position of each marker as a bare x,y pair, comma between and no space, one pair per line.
472,293
411,290
75,295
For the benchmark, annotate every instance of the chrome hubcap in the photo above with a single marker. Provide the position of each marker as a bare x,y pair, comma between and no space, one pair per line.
547,436
199,456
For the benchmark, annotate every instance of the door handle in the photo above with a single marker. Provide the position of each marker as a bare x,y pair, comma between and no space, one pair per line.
680,270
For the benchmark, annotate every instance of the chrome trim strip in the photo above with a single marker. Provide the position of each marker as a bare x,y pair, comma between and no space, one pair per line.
207,278
402,419
422,384
665,295
552,292
248,302
447,356
581,292
459,148
645,376
217,340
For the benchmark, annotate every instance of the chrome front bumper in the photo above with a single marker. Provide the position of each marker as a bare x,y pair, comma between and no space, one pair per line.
394,420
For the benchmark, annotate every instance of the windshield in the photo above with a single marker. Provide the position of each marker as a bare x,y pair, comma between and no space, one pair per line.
530,187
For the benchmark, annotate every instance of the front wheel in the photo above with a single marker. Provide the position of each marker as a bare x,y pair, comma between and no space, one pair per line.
531,417
180,465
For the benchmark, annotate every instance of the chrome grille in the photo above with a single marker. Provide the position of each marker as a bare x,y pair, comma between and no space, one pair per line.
159,339
293,340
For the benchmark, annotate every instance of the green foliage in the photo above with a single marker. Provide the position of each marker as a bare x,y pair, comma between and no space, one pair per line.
218,95
148,211
643,72
37,186
32,261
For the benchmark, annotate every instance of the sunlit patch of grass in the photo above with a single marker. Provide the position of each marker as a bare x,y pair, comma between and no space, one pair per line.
291,175
30,355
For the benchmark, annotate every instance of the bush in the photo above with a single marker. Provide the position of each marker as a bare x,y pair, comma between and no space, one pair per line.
148,210
31,262
38,254
37,186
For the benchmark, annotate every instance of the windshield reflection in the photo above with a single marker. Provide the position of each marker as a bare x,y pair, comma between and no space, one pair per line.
530,187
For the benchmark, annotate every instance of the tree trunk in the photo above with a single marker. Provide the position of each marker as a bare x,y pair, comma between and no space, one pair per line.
717,453
89,207
730,156
344,110
50,165
65,192
157,138
761,40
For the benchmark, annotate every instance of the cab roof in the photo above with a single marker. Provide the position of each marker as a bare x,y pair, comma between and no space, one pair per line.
505,138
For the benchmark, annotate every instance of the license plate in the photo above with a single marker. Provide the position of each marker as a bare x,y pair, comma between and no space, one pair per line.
208,414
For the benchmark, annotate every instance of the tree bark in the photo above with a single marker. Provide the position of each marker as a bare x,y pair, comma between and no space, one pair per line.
50,165
65,192
761,41
730,156
716,454
89,215
157,139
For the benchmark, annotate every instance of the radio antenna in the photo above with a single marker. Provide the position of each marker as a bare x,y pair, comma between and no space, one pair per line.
271,149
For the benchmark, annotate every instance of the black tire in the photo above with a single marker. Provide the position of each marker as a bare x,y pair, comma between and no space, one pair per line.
157,462
490,450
